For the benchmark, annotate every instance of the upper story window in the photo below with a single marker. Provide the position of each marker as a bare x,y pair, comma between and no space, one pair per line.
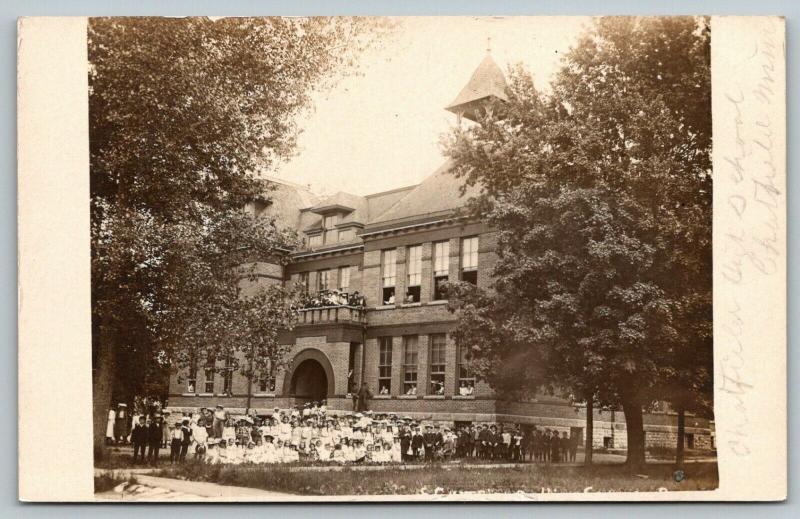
302,279
441,268
330,233
323,279
414,266
388,275
344,279
469,260
315,241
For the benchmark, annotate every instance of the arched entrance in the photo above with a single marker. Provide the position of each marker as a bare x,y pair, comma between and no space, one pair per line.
309,381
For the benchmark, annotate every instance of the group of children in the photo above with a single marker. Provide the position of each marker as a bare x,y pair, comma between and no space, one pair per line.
310,434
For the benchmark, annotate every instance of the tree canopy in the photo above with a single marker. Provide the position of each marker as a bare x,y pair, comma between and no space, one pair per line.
600,192
183,114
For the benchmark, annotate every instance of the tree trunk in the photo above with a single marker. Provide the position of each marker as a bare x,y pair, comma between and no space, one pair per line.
589,430
635,427
102,385
681,435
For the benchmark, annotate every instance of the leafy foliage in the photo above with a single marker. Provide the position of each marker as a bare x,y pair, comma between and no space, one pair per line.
183,113
601,196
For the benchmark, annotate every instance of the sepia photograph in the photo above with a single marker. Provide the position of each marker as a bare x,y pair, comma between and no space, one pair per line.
424,256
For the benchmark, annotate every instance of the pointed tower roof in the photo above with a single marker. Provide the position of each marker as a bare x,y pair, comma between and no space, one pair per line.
487,82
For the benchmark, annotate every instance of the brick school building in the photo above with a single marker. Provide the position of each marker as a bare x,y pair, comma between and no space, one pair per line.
390,252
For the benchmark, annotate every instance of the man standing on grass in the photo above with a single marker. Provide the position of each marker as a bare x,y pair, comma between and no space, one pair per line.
155,434
139,439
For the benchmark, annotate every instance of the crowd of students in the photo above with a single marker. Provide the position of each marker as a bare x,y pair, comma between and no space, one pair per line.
310,434
326,298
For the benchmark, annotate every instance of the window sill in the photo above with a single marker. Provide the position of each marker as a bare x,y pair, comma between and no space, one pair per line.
381,397
438,302
264,395
408,397
189,394
410,305
205,394
433,397
385,307
463,397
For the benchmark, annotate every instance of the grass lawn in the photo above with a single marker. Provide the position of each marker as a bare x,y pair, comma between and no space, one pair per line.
449,478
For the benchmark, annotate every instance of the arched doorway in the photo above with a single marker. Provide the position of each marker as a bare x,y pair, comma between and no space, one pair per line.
309,381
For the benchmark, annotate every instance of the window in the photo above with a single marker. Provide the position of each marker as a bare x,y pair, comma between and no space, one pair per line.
466,380
414,265
344,278
329,228
315,241
227,380
441,268
469,260
385,365
266,382
389,275
438,344
209,375
302,279
191,383
323,279
346,234
689,440
410,357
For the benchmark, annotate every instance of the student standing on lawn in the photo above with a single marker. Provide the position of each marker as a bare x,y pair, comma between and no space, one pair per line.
155,434
139,439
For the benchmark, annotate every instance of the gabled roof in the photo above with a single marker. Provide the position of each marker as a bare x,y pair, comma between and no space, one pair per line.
487,81
438,193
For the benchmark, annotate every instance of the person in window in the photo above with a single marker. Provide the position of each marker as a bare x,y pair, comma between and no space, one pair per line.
391,300
412,390
439,388
384,390
409,297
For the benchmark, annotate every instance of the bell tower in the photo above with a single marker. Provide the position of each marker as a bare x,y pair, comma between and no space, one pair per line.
486,86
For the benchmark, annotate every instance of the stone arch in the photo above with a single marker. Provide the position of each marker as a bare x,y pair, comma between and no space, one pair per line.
314,355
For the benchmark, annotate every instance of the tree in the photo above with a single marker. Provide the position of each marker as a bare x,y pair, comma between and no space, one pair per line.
600,193
183,112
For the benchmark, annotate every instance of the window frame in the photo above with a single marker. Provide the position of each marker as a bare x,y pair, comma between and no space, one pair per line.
326,275
191,379
227,378
441,273
388,282
463,374
302,279
468,266
339,277
209,368
437,363
266,380
385,350
410,368
413,274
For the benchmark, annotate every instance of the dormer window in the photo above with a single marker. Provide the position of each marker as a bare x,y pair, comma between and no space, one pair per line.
315,241
329,231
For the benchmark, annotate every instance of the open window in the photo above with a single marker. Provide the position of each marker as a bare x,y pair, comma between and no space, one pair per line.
441,268
414,281
469,260
389,276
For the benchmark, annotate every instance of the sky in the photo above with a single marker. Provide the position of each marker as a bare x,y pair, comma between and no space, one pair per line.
381,129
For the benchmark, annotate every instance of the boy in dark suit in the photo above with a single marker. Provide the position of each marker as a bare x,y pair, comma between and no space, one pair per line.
155,434
139,439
